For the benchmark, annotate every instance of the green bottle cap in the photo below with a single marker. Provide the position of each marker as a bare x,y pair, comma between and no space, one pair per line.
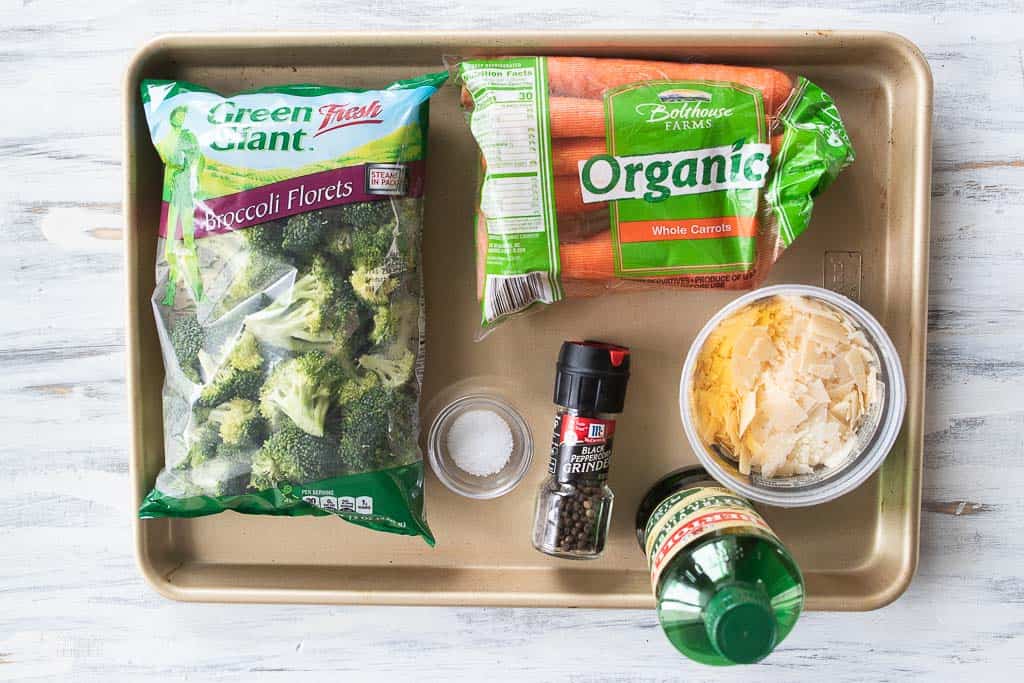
740,623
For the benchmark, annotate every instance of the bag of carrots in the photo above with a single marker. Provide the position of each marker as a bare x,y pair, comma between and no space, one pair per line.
616,174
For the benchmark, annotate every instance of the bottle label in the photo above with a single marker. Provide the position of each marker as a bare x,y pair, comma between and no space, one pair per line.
581,448
688,515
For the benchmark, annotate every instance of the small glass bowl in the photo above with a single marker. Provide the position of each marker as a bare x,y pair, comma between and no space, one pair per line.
875,438
470,485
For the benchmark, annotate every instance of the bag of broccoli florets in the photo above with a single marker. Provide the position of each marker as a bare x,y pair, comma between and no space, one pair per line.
288,301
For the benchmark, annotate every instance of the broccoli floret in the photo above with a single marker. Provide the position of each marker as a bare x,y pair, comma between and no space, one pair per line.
289,326
301,388
202,445
351,390
222,476
365,216
259,272
240,422
245,354
371,234
373,231
240,376
231,450
347,312
376,429
394,365
317,313
410,215
320,285
303,233
187,338
339,243
370,247
364,428
373,285
265,239
395,334
383,325
229,382
242,353
396,322
374,425
292,455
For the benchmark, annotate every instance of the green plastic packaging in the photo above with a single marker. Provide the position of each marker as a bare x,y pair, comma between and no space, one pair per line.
608,174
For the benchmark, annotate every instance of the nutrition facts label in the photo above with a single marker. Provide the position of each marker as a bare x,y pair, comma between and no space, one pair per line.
509,122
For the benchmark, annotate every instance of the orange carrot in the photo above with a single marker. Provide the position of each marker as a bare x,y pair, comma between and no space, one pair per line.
590,259
588,269
569,197
590,77
481,254
575,117
566,153
576,227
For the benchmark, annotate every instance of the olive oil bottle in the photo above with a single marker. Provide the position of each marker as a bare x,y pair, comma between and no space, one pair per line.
728,591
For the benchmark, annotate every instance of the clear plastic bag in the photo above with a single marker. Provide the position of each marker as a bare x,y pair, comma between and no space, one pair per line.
288,301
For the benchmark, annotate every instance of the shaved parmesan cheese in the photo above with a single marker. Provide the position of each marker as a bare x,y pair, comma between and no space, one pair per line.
855,362
784,384
762,349
745,462
829,331
823,370
748,411
817,391
836,392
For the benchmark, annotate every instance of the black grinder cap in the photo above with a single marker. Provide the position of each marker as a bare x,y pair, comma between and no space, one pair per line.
591,376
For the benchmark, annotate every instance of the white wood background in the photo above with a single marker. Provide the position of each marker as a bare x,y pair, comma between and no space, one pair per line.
72,604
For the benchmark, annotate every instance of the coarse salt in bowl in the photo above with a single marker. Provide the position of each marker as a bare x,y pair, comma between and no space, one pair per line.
480,442
874,439
479,446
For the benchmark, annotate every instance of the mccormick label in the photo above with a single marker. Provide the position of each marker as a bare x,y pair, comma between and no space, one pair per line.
688,515
581,448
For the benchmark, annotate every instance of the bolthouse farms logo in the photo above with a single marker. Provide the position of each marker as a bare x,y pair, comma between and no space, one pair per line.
682,109
656,177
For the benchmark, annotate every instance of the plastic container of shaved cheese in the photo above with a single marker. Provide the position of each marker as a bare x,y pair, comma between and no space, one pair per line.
874,437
